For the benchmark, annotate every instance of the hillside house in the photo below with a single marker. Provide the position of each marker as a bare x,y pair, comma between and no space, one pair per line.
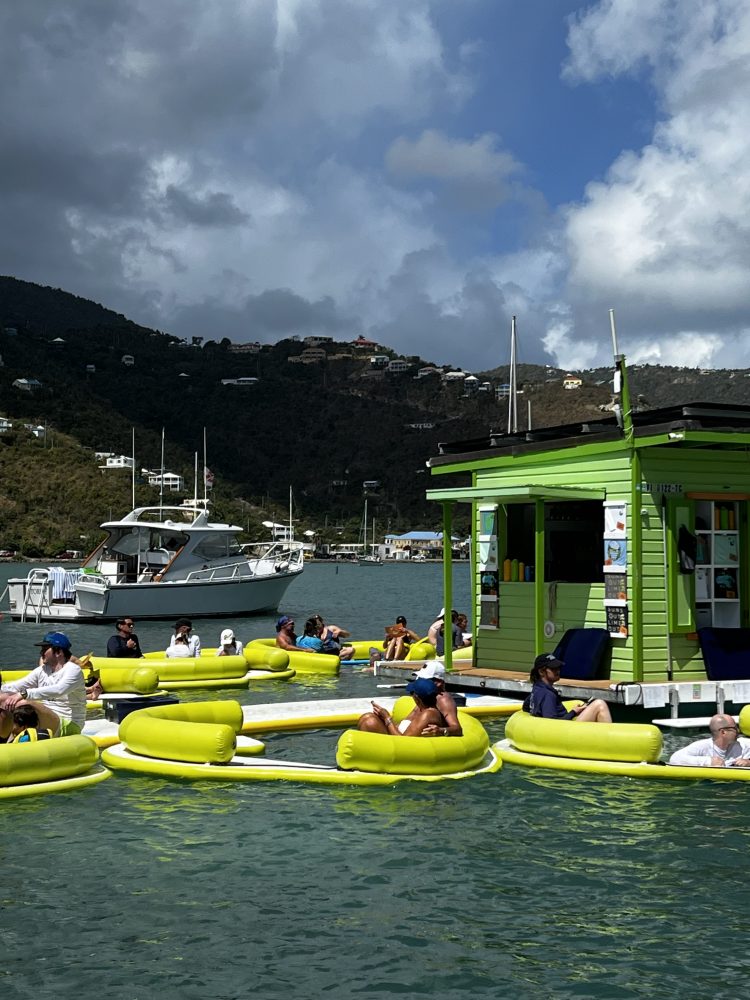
253,348
315,341
5,425
128,359
313,355
572,382
27,384
118,462
172,483
397,366
379,360
458,376
38,430
427,372
243,380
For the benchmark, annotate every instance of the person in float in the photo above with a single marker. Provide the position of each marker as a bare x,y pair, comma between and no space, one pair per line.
546,701
124,643
310,638
445,703
26,728
286,638
228,645
425,719
56,684
331,636
398,638
436,633
723,748
182,642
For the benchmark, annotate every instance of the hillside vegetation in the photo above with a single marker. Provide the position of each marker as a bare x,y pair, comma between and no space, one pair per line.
322,428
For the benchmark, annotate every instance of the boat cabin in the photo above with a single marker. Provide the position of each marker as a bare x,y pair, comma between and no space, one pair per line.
640,527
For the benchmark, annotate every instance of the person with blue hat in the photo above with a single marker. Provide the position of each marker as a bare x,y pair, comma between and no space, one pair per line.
286,637
425,719
56,684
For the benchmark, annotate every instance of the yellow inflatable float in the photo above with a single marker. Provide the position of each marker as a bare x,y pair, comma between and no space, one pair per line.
301,662
58,765
209,671
197,743
626,749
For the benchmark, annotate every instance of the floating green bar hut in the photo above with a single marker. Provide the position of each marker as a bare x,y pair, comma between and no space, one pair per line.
636,524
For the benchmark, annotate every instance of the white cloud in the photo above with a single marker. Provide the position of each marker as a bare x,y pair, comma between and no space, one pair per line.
667,232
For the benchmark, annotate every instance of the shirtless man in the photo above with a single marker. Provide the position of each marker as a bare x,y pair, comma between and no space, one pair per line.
286,637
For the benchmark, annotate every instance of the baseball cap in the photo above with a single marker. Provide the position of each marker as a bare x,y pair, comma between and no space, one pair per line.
227,636
55,639
548,660
431,670
422,688
283,620
183,621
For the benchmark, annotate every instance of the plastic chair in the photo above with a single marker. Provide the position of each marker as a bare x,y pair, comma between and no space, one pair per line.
582,650
726,653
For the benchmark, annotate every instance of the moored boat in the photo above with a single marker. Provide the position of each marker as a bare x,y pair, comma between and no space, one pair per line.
159,562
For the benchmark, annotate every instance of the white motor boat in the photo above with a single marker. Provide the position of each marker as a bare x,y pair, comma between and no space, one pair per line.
160,562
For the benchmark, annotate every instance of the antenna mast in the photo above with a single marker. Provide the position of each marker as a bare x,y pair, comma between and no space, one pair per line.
513,385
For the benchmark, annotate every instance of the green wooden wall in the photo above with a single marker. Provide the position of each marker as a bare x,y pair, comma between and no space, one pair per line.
643,655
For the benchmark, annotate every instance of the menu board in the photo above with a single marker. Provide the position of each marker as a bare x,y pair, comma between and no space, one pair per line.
615,566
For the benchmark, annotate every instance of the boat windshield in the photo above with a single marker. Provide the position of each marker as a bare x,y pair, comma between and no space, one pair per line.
130,543
218,547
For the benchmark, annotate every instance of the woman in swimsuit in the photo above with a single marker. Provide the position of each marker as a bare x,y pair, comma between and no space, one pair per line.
425,713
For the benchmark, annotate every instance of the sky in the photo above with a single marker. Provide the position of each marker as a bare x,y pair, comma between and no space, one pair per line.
416,172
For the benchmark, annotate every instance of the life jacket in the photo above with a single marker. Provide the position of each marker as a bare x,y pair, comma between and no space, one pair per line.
30,735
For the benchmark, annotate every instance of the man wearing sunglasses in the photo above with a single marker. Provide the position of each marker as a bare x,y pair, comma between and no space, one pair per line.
57,684
125,642
724,747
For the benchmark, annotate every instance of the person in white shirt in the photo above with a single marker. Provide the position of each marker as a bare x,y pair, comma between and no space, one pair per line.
228,645
724,747
57,683
183,643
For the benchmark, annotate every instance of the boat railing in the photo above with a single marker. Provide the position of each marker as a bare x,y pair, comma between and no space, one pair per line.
37,595
277,557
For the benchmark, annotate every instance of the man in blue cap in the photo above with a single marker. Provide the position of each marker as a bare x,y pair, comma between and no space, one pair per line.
286,637
56,684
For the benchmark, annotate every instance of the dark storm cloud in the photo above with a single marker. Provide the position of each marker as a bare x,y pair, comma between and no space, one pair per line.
215,209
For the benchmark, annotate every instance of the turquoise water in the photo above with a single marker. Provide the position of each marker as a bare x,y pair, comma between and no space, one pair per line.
524,884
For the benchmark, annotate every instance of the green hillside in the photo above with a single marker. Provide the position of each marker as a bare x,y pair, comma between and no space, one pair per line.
323,428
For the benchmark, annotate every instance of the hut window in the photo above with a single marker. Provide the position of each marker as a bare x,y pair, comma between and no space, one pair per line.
573,542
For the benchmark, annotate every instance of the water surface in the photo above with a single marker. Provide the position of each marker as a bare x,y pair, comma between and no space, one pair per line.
524,884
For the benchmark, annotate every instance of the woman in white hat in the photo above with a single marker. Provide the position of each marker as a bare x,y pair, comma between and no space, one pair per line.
228,645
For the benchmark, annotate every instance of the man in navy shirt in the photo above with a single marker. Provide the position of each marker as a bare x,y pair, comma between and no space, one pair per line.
547,702
125,642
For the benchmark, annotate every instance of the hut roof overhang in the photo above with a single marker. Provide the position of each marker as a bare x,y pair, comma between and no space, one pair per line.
693,424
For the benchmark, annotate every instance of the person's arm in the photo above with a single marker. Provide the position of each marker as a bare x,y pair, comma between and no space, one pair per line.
447,708
432,632
31,680
696,754
338,631
550,706
65,680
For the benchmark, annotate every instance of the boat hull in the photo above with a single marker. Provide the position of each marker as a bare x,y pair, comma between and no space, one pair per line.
194,599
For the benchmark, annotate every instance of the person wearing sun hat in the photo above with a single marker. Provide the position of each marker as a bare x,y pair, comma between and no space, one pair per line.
434,670
228,645
545,701
423,720
57,685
